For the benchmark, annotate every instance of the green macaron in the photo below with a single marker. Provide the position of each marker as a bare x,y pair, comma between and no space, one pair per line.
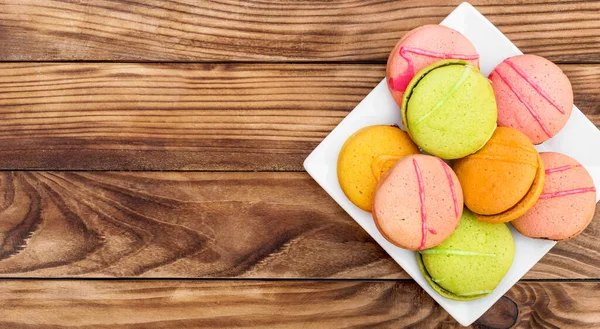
471,262
449,109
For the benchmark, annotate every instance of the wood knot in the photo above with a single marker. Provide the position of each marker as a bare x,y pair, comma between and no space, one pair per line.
502,315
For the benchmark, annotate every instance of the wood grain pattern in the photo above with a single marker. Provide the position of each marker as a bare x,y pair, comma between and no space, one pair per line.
228,30
188,116
246,225
279,304
166,117
258,116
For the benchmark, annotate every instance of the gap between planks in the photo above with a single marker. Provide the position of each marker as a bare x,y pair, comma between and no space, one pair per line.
174,279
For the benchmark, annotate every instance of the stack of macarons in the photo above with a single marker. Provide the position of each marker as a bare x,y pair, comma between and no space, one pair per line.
466,163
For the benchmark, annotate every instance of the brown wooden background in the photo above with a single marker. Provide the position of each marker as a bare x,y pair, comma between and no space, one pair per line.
151,156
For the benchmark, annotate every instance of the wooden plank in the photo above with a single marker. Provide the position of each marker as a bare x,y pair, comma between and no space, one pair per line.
279,304
188,116
166,117
204,225
227,30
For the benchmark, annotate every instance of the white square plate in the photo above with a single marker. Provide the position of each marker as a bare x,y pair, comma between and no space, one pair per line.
379,108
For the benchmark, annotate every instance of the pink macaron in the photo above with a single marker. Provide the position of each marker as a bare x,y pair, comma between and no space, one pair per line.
421,47
567,203
417,204
533,95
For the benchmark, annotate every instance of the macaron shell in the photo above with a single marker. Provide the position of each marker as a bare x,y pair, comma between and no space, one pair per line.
512,108
564,216
499,175
355,161
401,42
432,38
439,289
397,206
450,111
471,262
525,204
417,78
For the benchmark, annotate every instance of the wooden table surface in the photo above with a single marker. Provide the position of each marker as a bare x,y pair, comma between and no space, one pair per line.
151,156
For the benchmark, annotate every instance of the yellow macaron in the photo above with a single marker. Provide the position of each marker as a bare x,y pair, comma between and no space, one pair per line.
366,156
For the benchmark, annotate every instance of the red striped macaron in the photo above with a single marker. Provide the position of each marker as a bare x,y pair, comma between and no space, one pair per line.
422,47
417,204
533,95
567,203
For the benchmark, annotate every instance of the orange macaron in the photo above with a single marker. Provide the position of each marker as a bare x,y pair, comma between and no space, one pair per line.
502,180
